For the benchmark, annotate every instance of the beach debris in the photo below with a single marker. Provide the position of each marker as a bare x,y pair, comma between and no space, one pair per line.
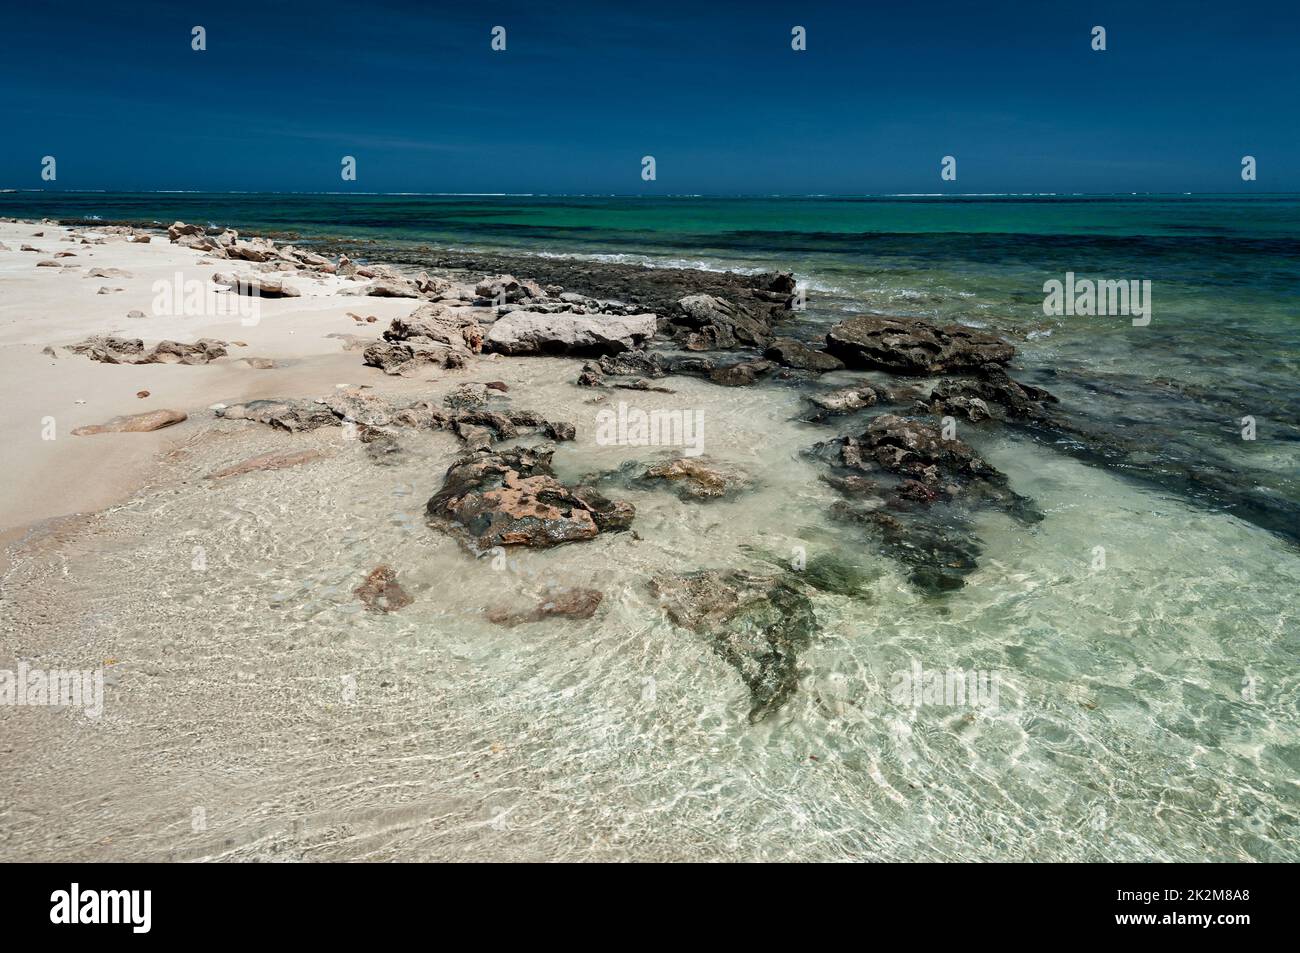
134,423
756,623
564,602
913,346
512,498
381,591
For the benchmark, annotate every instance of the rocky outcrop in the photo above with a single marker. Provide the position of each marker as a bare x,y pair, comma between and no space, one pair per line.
529,332
791,353
708,323
385,288
508,289
913,346
512,498
432,335
917,502
756,623
291,415
134,423
992,394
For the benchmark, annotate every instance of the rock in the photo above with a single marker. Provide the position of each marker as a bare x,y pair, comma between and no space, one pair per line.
698,478
913,346
740,375
28,248
345,268
385,288
258,249
48,263
381,591
791,353
511,498
844,401
290,415
940,551
177,229
709,323
114,350
108,273
560,430
570,603
265,286
508,288
142,239
109,291
497,385
142,393
260,363
135,314
757,624
527,332
278,460
134,423
971,397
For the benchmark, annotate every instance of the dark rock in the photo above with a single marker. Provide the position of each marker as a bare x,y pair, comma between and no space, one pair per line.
511,498
796,354
913,346
756,623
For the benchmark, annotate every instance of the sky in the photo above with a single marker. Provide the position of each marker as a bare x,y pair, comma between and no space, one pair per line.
713,91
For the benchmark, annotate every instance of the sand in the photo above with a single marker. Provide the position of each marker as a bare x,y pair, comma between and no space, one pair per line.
41,306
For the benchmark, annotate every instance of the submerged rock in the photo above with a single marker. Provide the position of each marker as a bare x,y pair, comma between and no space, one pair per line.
278,460
847,400
134,423
756,623
381,591
697,478
569,603
512,498
913,346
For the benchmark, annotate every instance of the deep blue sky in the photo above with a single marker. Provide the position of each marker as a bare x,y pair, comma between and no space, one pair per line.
713,91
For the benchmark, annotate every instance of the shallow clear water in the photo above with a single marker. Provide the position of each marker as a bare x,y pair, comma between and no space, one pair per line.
1144,648
1120,730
